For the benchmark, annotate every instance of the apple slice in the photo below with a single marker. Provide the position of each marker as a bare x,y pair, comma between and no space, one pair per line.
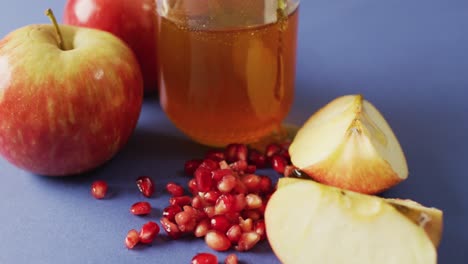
348,144
430,219
308,222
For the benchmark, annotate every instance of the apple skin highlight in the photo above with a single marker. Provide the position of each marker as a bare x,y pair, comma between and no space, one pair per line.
65,112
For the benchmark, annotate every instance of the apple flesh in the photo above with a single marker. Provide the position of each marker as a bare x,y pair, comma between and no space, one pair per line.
349,144
133,21
66,111
429,218
308,222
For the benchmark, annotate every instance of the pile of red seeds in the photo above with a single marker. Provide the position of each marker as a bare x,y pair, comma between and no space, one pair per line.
226,204
227,199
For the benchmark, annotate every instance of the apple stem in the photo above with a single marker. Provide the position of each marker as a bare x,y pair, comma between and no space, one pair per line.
52,18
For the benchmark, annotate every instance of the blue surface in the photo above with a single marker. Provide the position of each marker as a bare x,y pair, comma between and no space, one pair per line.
410,58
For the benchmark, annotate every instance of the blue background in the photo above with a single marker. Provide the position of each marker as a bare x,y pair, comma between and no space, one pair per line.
408,57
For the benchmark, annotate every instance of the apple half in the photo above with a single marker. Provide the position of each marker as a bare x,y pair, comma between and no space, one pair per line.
308,222
349,144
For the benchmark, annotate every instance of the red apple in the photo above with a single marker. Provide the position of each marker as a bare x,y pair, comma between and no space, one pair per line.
66,107
134,21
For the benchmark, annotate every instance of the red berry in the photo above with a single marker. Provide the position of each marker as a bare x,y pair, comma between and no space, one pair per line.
99,189
132,239
145,185
174,189
204,258
140,208
148,232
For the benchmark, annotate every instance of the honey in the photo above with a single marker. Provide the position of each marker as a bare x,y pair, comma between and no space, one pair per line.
227,84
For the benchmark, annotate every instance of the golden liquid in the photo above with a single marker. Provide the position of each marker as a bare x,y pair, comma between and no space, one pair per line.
221,86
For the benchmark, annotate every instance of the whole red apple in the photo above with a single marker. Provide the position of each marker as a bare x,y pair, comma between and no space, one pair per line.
134,21
66,107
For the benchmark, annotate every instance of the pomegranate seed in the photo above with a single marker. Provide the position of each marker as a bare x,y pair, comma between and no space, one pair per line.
99,189
259,228
246,224
198,202
231,259
252,182
171,228
223,165
220,223
180,201
132,239
252,214
174,189
203,179
204,258
247,241
239,166
192,185
217,175
171,211
141,208
202,228
265,185
233,217
191,165
240,202
272,149
286,156
227,183
209,164
258,159
195,213
250,169
145,185
240,188
253,201
224,204
211,197
217,240
242,152
230,152
278,163
234,233
216,155
183,218
209,211
148,232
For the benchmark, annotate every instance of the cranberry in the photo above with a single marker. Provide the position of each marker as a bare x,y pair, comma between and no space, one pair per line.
145,185
140,208
99,189
174,189
204,258
148,232
132,239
